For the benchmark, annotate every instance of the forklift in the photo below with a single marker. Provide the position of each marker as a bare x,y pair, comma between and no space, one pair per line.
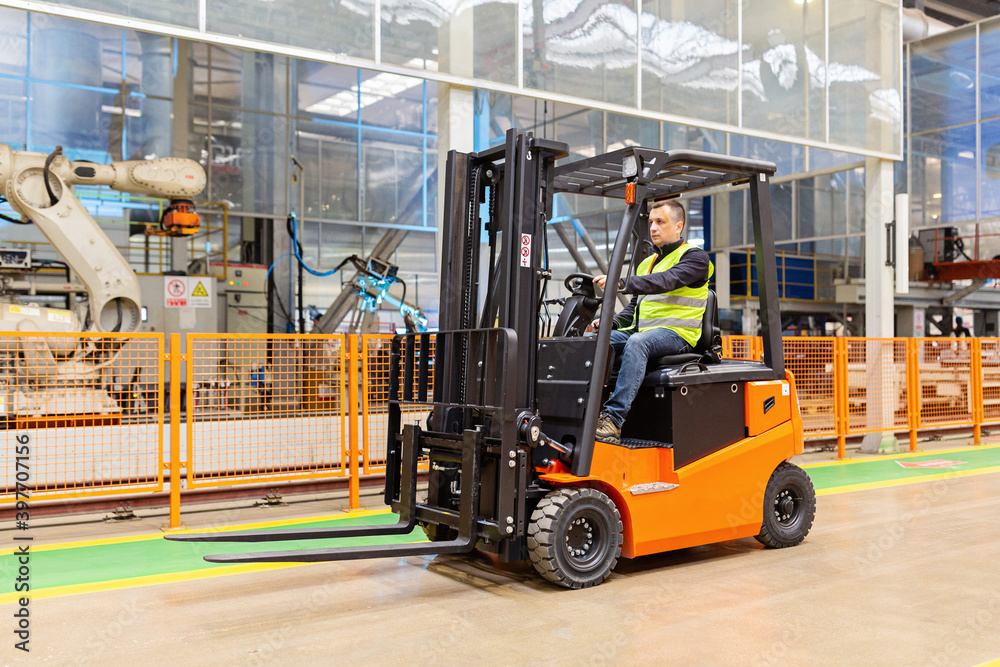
514,468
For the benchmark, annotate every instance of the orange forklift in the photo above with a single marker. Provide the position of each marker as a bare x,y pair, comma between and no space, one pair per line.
514,468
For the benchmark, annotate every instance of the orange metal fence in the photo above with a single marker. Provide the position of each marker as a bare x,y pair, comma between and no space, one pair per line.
375,350
262,408
265,408
88,407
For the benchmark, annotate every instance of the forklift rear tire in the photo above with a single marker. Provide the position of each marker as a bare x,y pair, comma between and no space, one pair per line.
575,537
789,507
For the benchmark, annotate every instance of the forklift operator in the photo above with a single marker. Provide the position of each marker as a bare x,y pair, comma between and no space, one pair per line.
669,295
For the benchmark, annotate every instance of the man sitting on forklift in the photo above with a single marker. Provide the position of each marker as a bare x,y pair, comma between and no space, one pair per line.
669,295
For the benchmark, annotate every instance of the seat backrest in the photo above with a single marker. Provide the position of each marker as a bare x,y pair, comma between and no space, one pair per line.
710,331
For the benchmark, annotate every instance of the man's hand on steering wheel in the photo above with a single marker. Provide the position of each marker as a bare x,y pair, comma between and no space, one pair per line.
601,281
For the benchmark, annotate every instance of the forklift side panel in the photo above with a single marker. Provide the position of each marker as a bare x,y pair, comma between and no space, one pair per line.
717,498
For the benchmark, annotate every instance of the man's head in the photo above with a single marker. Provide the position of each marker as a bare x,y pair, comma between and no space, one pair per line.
666,222
958,321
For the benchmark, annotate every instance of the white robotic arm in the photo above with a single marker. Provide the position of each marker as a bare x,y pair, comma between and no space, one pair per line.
40,188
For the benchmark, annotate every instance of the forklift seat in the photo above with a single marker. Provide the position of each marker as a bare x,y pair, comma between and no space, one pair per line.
709,347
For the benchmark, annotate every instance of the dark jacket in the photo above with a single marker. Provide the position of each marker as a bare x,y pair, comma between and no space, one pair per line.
690,271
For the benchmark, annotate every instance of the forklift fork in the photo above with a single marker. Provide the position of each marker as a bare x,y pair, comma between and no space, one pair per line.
464,542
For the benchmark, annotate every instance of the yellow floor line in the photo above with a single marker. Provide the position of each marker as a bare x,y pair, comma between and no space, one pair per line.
149,580
902,482
887,457
247,526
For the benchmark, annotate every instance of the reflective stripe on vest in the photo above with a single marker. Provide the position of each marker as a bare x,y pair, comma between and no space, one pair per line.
680,310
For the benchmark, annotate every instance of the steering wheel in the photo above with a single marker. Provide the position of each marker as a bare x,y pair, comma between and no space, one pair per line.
580,283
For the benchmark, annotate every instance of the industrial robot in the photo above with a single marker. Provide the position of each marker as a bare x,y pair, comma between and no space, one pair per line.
58,374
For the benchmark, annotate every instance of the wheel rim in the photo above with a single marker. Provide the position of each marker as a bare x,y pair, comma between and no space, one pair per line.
585,543
787,507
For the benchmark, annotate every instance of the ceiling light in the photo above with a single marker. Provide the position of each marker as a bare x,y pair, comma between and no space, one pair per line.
969,155
936,195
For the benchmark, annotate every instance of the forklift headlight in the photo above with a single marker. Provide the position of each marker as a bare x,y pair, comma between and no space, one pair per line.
630,166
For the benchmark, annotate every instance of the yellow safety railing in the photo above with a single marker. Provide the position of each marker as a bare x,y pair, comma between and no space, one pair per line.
853,386
375,350
247,409
265,408
88,408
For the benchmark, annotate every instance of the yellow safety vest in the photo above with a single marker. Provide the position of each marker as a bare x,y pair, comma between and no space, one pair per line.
680,310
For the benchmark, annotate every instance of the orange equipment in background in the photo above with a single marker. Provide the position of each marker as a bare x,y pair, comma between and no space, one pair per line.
179,219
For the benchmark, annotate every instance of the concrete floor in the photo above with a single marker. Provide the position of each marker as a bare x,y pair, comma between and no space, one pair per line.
895,576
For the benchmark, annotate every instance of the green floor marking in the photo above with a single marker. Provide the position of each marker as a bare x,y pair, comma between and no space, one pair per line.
886,468
110,562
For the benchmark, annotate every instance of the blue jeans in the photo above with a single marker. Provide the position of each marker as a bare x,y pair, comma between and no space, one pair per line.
638,348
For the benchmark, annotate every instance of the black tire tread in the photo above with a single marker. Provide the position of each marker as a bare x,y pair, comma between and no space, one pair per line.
542,535
766,536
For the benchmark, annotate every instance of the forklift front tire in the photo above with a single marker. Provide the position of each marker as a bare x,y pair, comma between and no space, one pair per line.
789,507
575,537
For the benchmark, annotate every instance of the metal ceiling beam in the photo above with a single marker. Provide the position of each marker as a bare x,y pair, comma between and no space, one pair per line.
966,10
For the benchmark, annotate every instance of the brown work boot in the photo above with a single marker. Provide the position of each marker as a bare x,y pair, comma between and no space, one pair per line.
607,431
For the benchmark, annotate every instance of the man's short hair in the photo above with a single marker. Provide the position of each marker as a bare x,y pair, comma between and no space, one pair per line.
674,209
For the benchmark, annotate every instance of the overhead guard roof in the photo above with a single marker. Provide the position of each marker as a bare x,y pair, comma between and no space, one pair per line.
663,172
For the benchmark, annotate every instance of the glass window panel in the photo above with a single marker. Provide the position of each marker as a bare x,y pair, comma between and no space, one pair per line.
989,73
723,229
821,158
71,51
787,157
249,159
864,93
783,70
197,54
625,131
329,156
581,129
943,80
418,267
989,186
581,49
495,51
432,108
345,27
248,79
738,223
689,58
473,40
822,206
392,100
74,118
148,134
781,211
14,42
393,176
322,89
694,138
432,188
943,175
308,233
13,113
177,12
335,243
